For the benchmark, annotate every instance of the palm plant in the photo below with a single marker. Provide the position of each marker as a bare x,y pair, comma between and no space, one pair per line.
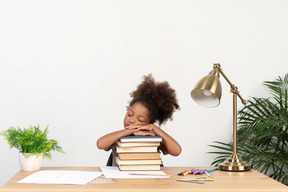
262,135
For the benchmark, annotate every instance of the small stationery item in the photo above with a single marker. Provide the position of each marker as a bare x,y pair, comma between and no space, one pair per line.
199,172
208,171
196,172
182,172
186,173
149,174
209,175
197,178
141,138
202,171
190,181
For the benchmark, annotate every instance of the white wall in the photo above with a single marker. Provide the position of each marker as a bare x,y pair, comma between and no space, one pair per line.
72,64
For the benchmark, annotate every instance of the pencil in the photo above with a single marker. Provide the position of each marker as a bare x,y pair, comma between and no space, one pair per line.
147,174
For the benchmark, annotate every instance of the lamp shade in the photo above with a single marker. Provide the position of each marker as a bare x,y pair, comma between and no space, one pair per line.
208,90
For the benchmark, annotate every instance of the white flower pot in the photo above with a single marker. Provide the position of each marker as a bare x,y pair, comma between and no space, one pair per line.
31,163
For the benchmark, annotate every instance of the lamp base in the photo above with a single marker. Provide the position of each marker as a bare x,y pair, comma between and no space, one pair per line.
234,163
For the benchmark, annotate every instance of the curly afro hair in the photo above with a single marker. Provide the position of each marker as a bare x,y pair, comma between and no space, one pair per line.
159,98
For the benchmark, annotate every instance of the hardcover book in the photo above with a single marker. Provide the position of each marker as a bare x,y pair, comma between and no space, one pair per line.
130,156
135,149
139,167
140,138
138,152
138,161
137,144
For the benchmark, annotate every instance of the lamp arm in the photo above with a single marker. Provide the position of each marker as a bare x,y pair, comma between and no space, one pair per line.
234,89
236,93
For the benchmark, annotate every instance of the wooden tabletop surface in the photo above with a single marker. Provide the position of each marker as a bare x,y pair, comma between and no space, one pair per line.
249,181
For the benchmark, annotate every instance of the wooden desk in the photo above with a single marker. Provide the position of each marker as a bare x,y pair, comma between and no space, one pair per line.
250,181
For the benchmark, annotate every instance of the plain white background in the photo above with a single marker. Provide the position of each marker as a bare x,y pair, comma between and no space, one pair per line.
72,64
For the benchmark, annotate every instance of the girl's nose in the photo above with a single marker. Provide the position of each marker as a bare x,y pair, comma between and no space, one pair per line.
132,120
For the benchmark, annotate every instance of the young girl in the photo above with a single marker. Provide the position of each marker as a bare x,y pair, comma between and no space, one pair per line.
151,102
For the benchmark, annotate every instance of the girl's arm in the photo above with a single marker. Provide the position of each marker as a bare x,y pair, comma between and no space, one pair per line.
108,140
170,145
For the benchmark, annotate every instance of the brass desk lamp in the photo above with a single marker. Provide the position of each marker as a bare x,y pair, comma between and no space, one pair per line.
207,93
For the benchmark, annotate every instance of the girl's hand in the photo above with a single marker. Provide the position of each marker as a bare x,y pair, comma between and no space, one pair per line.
142,129
144,133
147,127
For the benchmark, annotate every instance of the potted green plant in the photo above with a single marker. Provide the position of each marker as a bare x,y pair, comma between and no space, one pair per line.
33,145
262,136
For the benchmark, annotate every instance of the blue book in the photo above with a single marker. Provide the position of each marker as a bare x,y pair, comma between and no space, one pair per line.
140,138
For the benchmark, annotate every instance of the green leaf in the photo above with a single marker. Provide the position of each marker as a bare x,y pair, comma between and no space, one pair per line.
31,140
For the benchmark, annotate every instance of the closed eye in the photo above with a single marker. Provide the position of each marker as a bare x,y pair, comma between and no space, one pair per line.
130,113
141,120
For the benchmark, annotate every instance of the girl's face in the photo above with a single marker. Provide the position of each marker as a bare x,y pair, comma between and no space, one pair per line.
137,114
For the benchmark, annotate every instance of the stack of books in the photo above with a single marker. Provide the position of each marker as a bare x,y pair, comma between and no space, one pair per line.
138,153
